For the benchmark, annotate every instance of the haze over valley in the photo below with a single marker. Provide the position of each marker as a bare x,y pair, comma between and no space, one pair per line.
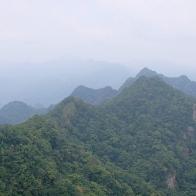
51,81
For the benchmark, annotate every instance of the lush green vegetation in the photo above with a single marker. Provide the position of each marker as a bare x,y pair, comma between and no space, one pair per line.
142,142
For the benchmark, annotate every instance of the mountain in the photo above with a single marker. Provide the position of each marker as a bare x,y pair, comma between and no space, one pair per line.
94,96
182,83
16,112
141,142
51,81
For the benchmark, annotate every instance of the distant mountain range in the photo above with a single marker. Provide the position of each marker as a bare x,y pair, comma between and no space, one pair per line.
182,83
49,82
17,111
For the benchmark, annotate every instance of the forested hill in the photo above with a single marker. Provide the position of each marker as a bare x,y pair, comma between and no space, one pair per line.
16,112
142,142
182,83
94,96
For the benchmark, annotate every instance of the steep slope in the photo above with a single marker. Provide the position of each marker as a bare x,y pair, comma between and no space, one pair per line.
39,158
94,96
16,112
127,83
142,142
161,132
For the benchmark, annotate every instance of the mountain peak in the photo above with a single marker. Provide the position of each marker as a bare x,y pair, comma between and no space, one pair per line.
146,72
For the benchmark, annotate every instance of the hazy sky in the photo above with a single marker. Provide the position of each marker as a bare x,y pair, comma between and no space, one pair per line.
112,30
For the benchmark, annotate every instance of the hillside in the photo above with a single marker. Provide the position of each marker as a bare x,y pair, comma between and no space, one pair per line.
127,83
16,112
141,142
150,133
94,96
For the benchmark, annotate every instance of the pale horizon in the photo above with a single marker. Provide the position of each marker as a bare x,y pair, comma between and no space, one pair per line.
113,31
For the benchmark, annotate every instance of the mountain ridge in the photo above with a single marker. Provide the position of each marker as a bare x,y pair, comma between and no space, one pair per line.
182,83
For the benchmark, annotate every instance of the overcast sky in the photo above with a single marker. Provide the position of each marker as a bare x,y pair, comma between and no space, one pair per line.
112,30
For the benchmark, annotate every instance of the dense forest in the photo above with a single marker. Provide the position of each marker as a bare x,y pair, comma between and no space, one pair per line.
141,142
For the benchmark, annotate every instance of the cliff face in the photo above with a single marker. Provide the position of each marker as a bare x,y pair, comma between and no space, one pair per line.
194,112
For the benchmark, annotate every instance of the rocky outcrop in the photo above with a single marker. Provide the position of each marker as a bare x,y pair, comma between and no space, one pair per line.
171,182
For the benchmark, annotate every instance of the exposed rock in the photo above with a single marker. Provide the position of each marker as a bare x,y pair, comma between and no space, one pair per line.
171,182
